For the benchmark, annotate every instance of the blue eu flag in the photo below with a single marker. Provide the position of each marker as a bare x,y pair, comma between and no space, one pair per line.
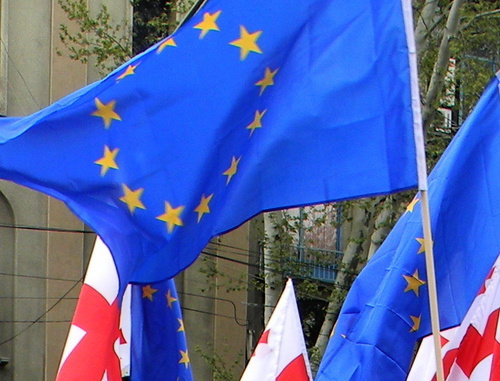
250,106
158,343
378,327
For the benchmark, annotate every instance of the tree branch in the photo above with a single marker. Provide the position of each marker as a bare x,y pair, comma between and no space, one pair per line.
422,29
357,237
478,16
442,62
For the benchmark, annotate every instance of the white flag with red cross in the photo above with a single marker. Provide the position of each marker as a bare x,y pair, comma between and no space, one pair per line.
94,346
280,354
471,351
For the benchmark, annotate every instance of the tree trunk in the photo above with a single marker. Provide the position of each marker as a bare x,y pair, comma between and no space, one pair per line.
441,65
424,24
352,252
271,293
173,16
383,223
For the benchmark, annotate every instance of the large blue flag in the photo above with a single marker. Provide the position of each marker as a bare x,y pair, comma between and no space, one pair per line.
250,106
378,327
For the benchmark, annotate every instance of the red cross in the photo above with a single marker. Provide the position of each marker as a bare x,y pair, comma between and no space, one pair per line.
94,354
474,348
263,340
295,371
488,277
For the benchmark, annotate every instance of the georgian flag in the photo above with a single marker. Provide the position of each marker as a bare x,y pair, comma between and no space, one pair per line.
280,354
94,347
471,351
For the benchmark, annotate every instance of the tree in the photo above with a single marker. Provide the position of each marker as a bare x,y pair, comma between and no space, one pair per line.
110,43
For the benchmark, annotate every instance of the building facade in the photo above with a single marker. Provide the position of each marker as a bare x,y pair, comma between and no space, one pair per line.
43,247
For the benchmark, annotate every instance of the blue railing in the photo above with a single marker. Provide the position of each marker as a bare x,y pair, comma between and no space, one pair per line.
320,264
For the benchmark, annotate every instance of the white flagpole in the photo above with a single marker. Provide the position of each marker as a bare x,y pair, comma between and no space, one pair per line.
423,187
431,283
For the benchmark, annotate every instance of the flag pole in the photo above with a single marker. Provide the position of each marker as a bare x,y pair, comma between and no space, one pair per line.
426,227
423,186
431,283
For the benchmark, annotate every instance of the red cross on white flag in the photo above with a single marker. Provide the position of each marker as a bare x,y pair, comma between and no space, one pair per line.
280,354
471,352
92,346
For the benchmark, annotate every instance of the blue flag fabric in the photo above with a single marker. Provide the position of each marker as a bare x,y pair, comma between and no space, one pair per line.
378,327
250,106
158,344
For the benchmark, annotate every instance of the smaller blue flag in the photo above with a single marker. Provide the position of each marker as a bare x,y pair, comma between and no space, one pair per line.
379,327
158,342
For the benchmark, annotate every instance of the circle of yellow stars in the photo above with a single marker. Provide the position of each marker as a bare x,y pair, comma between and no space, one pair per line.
247,43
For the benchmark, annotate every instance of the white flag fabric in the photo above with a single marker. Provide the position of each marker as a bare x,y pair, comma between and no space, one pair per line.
471,352
281,353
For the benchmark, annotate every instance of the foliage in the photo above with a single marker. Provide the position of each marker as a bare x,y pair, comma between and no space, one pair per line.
474,49
221,371
477,50
111,42
152,23
97,36
155,20
218,279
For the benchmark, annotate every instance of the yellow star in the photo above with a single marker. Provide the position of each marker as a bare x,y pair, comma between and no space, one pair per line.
257,121
413,282
170,299
171,216
106,112
412,204
247,42
184,358
421,241
132,198
148,291
268,80
108,160
231,171
208,23
168,42
416,323
181,325
203,207
130,70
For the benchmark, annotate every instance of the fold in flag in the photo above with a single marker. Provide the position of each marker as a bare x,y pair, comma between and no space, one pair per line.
378,327
281,353
144,339
471,352
158,342
250,106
